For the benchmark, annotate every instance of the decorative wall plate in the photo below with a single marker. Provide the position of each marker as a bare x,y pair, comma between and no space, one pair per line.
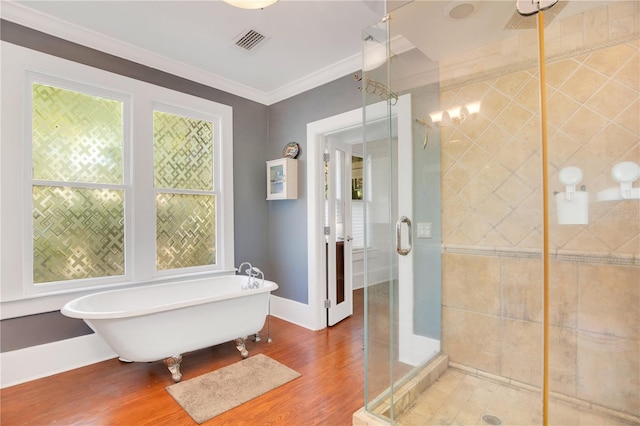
291,150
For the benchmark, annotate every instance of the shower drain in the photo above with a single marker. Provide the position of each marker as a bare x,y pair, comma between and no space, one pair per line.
490,419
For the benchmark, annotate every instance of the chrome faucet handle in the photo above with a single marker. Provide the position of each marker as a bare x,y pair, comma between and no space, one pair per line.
257,272
249,268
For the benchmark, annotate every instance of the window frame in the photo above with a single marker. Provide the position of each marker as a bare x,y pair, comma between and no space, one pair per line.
19,296
200,115
125,186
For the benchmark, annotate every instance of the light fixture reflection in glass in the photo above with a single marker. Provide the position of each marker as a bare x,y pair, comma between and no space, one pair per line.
454,114
251,4
436,117
473,107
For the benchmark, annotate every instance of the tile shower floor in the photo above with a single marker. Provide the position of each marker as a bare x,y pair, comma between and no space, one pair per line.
458,398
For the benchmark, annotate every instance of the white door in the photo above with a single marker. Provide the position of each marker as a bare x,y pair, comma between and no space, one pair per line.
338,237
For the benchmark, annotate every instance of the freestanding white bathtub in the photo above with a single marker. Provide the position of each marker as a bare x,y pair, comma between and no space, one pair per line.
164,321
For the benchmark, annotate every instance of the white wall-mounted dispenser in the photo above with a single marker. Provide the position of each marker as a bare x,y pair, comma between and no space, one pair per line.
572,205
625,174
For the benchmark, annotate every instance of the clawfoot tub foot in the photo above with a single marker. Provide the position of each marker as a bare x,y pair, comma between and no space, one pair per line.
241,347
173,364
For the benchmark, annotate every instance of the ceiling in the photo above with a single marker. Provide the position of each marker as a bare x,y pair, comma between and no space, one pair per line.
306,42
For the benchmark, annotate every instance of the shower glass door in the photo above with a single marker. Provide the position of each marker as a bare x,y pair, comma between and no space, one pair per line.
466,175
402,266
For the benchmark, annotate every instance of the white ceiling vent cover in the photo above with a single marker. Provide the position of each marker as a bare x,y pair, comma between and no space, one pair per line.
250,39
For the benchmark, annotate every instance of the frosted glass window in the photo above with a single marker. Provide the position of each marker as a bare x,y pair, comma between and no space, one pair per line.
185,201
185,227
76,137
183,152
78,231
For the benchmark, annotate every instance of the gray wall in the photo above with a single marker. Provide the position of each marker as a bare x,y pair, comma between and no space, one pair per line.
33,330
287,232
250,133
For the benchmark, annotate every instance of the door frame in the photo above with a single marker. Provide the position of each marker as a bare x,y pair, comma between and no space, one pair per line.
317,131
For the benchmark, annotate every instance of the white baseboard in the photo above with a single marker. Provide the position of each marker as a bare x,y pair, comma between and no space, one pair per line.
24,365
357,281
294,312
377,276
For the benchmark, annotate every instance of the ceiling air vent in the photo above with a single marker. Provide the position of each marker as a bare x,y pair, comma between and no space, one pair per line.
250,39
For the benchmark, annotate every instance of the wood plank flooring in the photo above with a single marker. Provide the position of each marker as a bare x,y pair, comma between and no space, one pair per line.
330,390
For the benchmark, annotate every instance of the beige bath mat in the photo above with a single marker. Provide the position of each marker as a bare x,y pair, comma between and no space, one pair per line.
206,396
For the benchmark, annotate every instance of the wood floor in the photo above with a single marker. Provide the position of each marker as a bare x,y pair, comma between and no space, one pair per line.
329,391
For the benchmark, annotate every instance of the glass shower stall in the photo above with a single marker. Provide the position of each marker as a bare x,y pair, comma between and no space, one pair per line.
502,246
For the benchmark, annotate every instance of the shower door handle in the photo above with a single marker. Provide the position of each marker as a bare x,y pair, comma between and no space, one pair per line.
403,251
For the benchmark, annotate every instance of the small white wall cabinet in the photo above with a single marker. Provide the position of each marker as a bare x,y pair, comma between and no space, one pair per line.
282,179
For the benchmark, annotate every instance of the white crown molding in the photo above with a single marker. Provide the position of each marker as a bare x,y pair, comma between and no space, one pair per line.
317,78
352,64
39,21
31,18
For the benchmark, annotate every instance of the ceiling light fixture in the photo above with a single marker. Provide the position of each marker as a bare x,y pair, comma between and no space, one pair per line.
251,4
457,10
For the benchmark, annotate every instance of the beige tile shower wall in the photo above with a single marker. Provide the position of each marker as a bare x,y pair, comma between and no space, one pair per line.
492,321
492,210
491,183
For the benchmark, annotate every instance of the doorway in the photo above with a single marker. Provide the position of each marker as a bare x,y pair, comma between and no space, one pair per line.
340,134
344,129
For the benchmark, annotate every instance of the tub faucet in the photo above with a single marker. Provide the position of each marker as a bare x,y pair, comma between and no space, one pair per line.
252,273
249,267
246,285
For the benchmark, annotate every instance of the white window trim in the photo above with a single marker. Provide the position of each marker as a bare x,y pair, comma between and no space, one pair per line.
29,182
18,299
217,175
